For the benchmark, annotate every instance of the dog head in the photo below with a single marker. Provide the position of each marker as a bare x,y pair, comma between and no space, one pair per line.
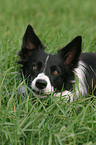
46,73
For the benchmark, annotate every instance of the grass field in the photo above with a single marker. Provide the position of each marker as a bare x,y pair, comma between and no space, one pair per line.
23,120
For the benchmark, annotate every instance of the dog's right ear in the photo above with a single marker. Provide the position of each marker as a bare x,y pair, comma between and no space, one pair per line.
30,43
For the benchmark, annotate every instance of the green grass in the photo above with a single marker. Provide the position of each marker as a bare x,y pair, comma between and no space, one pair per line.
24,120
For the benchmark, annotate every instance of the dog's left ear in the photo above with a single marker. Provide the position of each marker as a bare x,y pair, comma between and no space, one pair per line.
71,52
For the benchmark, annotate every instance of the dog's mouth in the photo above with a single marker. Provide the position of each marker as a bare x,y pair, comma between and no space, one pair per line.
41,94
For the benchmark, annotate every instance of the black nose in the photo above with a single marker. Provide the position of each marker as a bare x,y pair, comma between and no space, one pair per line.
41,84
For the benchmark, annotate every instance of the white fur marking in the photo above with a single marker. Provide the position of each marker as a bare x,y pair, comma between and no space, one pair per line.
46,63
80,73
48,88
66,95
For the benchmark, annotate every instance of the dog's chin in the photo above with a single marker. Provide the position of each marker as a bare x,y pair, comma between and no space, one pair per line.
41,94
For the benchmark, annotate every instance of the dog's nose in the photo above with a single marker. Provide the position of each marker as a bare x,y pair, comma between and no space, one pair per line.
41,84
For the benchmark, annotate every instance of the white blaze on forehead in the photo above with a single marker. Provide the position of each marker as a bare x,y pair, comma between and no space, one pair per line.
45,65
48,88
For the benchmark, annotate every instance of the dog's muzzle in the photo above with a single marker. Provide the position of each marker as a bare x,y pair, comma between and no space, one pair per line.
41,84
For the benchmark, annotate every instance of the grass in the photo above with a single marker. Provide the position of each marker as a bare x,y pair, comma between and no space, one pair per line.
24,120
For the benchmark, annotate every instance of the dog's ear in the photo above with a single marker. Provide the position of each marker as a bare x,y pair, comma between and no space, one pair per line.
30,43
71,52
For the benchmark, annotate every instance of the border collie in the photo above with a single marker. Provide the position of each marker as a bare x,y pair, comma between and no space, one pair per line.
68,71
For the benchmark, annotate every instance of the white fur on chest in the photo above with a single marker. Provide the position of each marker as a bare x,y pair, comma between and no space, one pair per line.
80,73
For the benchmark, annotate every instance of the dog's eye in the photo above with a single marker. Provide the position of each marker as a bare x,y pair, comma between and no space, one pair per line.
34,67
55,72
